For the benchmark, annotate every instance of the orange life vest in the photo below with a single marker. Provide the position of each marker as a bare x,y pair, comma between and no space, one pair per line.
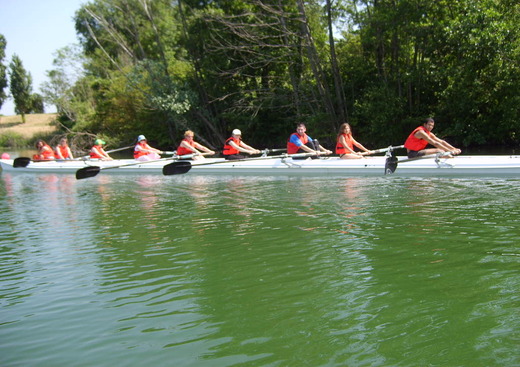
293,148
94,154
228,149
45,153
139,153
64,152
340,149
413,143
183,150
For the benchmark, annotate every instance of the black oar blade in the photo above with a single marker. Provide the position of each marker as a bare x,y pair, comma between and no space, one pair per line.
21,162
391,164
87,172
176,168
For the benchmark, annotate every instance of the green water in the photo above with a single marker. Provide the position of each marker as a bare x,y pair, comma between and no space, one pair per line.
258,271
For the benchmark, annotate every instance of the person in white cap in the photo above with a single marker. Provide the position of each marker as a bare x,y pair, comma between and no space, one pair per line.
144,152
234,146
190,146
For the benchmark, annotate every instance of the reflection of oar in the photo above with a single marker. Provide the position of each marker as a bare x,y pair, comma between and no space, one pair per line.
92,171
383,150
21,162
178,168
392,161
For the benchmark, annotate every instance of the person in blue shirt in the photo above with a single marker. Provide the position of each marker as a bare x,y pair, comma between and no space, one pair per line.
300,142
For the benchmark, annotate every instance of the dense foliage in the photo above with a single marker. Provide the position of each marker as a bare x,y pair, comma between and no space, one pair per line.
160,67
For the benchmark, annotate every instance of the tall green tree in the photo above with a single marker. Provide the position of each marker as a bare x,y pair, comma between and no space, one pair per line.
3,73
20,86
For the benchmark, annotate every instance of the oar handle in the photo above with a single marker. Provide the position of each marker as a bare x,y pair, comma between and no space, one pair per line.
268,150
83,157
383,150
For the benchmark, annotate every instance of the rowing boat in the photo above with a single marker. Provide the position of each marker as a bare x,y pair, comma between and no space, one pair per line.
486,165
72,166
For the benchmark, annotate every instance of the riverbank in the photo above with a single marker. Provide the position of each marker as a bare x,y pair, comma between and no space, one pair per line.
38,124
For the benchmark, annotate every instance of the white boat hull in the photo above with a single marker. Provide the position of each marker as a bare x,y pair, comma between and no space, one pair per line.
331,166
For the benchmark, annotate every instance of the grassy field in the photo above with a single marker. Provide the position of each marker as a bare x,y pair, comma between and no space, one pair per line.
38,123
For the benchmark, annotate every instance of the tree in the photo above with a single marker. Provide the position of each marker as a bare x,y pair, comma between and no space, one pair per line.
37,105
3,75
21,87
66,87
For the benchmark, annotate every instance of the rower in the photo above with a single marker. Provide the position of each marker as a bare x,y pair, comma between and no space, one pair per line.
346,142
300,142
45,152
62,150
144,152
189,146
234,146
97,151
417,141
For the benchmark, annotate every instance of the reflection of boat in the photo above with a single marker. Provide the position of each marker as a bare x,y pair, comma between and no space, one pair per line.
429,166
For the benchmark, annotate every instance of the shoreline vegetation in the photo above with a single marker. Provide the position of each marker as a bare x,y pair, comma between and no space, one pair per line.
16,134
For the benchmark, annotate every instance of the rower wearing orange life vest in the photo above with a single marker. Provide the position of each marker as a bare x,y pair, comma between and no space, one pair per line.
97,151
346,142
144,152
45,152
300,142
417,141
190,146
62,150
234,146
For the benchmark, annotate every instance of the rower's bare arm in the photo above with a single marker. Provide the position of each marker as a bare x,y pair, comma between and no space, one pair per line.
249,148
240,148
444,145
187,146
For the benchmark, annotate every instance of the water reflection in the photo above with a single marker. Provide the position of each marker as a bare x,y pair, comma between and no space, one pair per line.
202,270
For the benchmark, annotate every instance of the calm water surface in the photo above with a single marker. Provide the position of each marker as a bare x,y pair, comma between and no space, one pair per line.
191,270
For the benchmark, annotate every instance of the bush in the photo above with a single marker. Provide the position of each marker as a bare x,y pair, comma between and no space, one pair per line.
13,140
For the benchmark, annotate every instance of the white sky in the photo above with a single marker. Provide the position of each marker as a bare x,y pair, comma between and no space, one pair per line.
35,30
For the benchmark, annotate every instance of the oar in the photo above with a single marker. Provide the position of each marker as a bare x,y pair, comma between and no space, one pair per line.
266,151
108,152
392,161
92,171
274,150
21,162
177,168
383,150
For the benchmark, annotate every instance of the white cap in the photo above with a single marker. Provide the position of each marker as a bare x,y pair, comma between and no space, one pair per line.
140,137
236,132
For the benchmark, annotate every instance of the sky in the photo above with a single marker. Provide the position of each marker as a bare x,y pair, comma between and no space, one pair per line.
35,30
